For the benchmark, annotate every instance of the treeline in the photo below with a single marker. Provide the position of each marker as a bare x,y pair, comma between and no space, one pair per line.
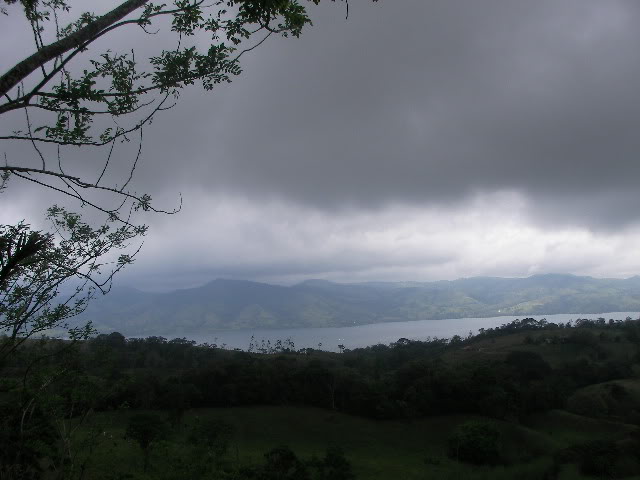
628,326
402,380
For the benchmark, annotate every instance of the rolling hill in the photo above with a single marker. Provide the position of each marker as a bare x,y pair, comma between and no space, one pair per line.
237,304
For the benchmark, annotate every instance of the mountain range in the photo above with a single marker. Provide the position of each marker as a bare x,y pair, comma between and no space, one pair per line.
239,304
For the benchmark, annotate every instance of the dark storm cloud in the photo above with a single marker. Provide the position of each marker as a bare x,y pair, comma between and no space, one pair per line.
415,140
428,102
421,102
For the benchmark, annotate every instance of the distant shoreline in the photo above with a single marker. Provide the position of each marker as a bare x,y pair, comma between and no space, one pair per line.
374,333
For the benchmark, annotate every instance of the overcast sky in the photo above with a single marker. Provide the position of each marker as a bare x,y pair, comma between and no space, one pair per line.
417,140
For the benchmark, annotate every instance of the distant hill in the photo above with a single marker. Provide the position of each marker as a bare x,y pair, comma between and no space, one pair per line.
236,304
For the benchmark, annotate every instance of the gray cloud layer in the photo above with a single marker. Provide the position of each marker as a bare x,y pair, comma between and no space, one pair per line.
410,106
433,102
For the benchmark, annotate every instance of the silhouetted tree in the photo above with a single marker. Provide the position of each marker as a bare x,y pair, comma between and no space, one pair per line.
145,428
475,442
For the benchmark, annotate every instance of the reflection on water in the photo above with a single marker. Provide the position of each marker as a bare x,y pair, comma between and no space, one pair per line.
385,333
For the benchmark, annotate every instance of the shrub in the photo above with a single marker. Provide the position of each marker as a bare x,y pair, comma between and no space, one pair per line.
334,466
594,458
599,458
145,428
282,464
475,442
214,435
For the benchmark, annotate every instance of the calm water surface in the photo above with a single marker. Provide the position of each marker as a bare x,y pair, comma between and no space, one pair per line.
385,333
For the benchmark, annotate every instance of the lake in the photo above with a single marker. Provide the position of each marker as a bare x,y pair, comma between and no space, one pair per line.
385,333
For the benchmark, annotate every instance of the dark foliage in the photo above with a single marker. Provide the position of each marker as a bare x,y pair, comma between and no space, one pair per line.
475,442
334,466
24,444
595,458
404,380
145,429
282,464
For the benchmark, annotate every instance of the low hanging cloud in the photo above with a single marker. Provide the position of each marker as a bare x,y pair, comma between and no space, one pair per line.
227,237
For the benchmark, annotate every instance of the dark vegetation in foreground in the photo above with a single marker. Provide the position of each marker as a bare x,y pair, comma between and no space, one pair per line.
530,399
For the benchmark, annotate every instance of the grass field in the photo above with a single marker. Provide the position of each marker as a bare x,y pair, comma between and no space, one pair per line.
378,450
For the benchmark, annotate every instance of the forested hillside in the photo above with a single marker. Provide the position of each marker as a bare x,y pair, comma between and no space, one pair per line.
529,399
234,304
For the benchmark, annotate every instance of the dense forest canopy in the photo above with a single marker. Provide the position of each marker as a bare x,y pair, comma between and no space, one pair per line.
500,377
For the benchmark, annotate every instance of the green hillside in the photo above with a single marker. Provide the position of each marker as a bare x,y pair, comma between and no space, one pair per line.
411,450
529,400
234,304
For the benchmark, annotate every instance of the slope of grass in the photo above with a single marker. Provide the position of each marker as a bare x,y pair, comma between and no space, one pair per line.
377,449
616,399
565,429
556,347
